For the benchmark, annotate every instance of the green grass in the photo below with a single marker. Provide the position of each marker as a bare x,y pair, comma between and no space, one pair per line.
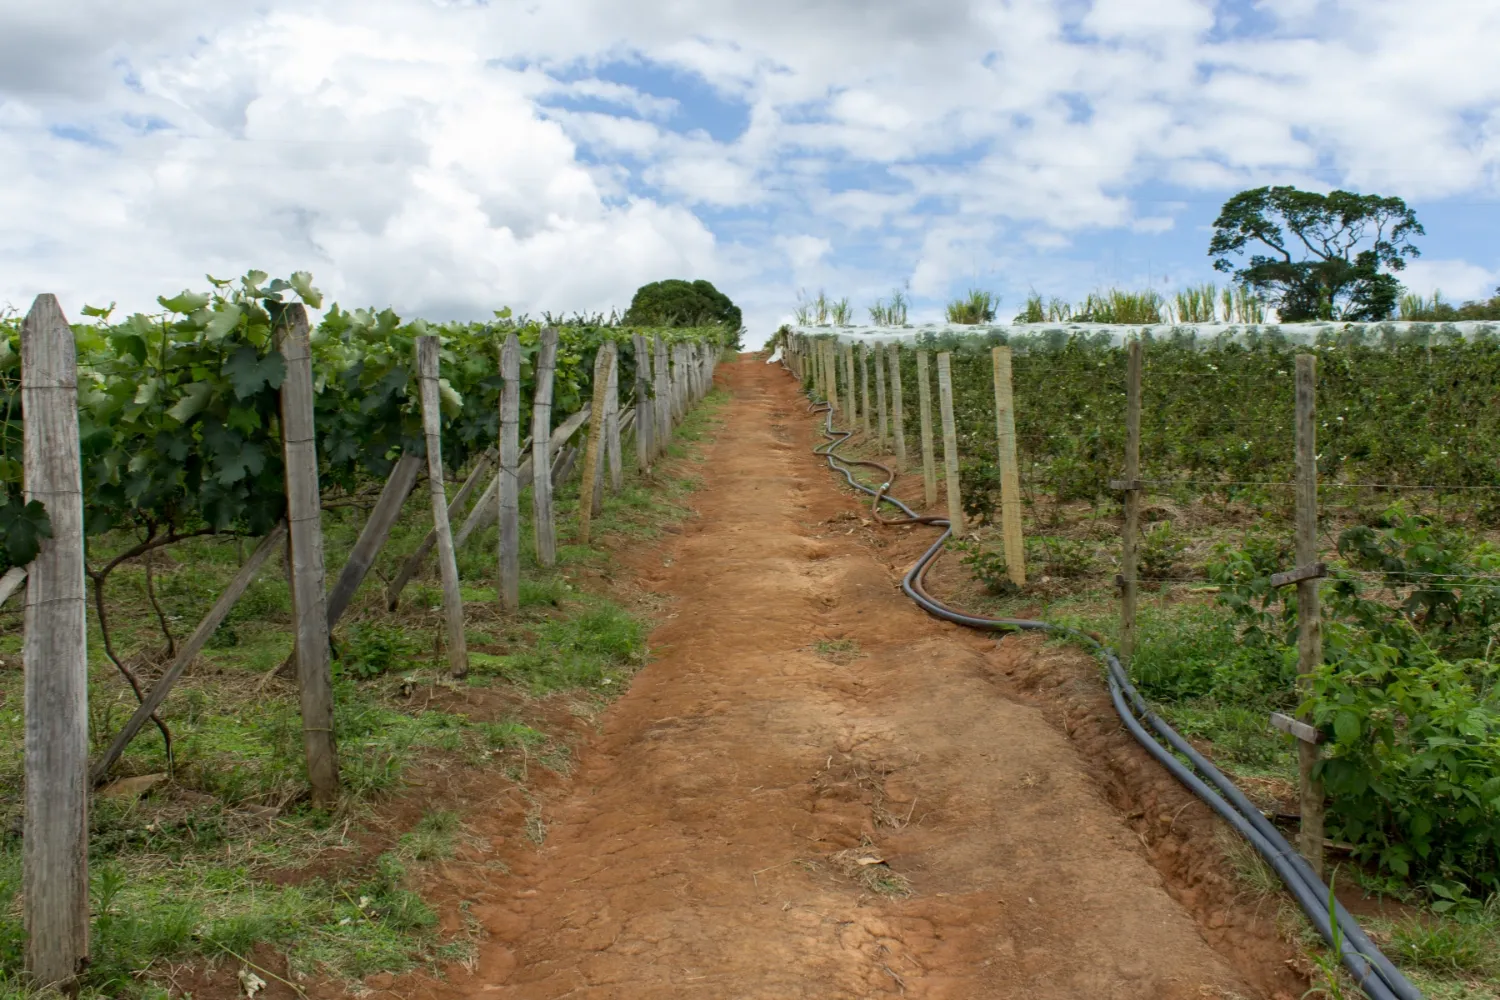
197,868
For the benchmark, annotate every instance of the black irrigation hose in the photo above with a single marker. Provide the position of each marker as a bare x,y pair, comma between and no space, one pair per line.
1374,973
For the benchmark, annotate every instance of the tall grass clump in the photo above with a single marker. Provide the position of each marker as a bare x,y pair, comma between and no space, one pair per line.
1120,306
976,307
1196,304
889,313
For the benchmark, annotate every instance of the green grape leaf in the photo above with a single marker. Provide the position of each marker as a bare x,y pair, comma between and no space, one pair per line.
184,302
248,371
146,392
302,284
23,526
131,345
194,398
238,461
223,323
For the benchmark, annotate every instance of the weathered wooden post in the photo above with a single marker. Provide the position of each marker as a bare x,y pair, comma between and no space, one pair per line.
1309,613
864,387
373,535
950,444
644,446
851,395
591,456
898,410
541,450
1010,473
432,431
612,452
305,527
55,829
509,485
831,368
924,408
882,424
663,397
1132,488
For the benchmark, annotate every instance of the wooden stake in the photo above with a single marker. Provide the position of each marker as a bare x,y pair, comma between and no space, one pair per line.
898,411
11,582
663,427
412,565
509,490
373,535
864,388
1132,501
55,827
487,508
305,520
644,446
851,398
541,450
591,451
190,649
1309,614
950,444
432,429
1010,472
882,425
612,429
831,369
924,407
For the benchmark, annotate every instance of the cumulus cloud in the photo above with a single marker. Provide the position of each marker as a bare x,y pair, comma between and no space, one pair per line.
453,157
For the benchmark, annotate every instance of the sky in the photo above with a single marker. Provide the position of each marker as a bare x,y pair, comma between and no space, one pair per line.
451,157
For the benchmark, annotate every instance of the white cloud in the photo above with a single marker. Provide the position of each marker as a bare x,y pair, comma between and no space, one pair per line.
1458,280
414,152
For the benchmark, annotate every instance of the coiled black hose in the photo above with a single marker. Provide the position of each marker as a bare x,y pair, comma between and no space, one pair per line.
1376,976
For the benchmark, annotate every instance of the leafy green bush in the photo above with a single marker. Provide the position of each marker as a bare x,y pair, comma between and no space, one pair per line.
987,565
1406,696
1062,557
1160,548
373,648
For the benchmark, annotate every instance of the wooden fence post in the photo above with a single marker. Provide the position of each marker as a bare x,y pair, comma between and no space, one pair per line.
864,386
644,446
831,371
1132,501
663,427
612,429
509,486
373,535
924,406
1309,614
950,444
898,411
412,564
432,430
305,525
591,455
541,451
1010,473
55,840
882,424
851,398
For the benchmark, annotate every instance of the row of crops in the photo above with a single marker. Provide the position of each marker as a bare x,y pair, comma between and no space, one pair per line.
225,415
178,412
1406,700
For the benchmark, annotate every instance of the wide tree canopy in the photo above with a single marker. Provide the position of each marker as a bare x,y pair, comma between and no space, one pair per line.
1318,256
676,302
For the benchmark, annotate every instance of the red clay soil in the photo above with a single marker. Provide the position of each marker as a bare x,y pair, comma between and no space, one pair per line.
696,850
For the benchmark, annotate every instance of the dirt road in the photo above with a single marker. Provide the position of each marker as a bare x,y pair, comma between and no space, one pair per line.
698,851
